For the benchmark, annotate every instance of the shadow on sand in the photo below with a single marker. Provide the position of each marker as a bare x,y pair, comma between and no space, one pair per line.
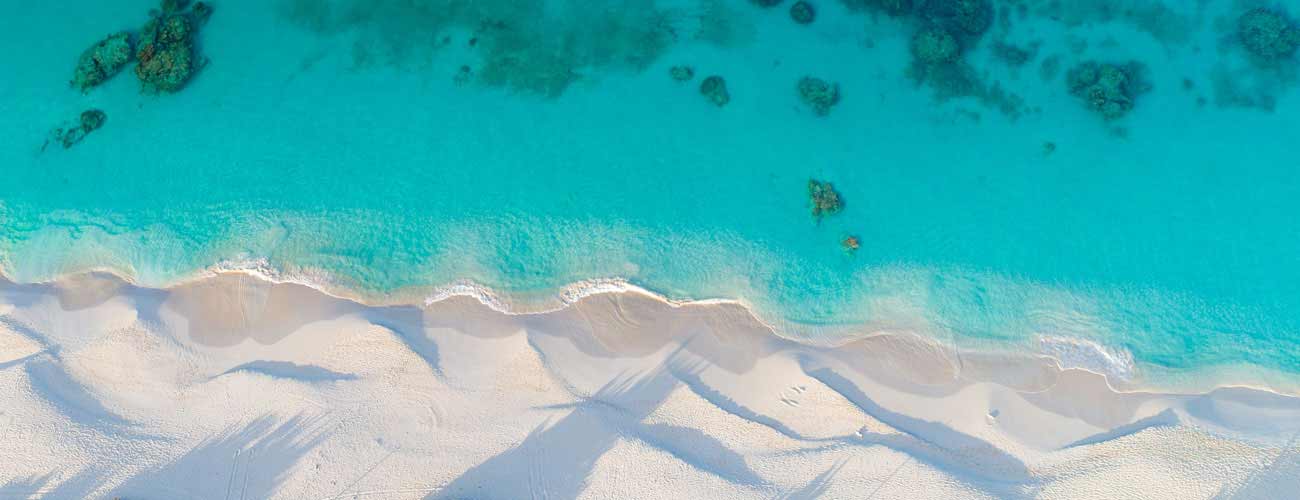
245,462
555,460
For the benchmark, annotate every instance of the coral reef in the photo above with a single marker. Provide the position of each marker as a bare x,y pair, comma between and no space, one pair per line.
539,47
803,12
89,121
937,62
825,201
714,88
102,61
934,45
1268,34
969,17
92,119
545,55
681,73
166,49
1108,89
818,94
947,29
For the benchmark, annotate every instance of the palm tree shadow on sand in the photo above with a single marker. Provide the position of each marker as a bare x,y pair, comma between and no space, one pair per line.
555,459
246,462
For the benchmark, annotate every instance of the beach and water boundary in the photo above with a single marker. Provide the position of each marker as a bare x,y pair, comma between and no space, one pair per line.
255,382
1174,264
1116,368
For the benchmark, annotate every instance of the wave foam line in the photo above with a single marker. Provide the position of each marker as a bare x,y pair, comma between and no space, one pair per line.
1069,353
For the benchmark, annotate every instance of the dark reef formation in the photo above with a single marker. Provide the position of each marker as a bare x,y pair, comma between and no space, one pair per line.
969,18
803,12
681,73
825,200
944,32
714,88
934,45
1108,89
166,51
102,61
818,94
1268,34
539,47
68,136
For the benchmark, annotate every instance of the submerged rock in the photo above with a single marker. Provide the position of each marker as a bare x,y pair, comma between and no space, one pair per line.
825,201
803,12
714,88
1268,34
102,61
851,243
681,73
934,45
167,52
89,121
92,119
971,17
1108,89
818,94
164,68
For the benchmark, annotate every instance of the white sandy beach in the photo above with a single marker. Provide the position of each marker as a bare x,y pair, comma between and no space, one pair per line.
235,387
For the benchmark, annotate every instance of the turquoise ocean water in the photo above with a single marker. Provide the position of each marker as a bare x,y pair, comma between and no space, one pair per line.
405,145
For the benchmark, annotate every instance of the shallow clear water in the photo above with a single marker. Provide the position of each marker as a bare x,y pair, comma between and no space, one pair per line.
1171,234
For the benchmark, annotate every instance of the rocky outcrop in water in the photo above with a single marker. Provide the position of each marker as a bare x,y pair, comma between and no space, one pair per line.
825,200
714,88
681,73
1268,34
818,94
803,12
166,51
102,61
1108,89
934,45
164,48
68,136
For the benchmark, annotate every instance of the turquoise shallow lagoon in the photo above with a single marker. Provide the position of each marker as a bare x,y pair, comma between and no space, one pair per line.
379,153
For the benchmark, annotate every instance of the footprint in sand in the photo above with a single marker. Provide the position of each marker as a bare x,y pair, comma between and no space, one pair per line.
789,399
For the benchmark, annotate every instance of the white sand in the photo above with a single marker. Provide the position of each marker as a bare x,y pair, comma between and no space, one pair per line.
234,387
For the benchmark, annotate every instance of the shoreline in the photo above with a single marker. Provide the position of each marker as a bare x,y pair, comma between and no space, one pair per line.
1133,381
145,385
